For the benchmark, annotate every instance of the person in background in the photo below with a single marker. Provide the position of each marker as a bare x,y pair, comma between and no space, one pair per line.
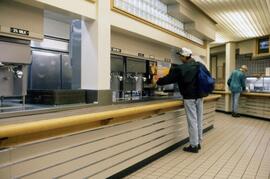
237,84
186,77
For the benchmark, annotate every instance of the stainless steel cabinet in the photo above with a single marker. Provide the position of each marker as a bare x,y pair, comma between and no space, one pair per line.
45,71
50,70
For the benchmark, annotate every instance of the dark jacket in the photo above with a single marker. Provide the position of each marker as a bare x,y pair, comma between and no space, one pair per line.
186,77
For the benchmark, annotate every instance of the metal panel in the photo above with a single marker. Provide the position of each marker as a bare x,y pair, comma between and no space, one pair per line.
21,55
10,84
49,43
117,63
75,53
6,81
66,72
136,66
45,71
20,84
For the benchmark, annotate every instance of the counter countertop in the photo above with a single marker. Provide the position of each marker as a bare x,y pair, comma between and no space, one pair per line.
256,94
245,93
221,92
81,111
72,112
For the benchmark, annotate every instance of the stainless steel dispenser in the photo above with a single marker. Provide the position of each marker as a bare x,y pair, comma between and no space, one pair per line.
135,78
14,61
117,77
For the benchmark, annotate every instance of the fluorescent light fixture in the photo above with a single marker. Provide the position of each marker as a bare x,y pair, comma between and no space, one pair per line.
241,23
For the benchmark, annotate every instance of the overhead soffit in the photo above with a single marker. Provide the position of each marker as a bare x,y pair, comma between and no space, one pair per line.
238,19
169,1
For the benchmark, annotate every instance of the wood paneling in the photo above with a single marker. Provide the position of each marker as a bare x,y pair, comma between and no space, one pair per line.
99,152
258,106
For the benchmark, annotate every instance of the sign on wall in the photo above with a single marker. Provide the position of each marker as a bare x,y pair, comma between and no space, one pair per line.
19,31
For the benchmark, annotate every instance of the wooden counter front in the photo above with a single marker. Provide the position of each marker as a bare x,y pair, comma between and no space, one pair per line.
250,103
255,104
104,144
28,131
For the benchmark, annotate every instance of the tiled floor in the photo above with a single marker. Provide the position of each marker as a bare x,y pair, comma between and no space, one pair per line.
235,148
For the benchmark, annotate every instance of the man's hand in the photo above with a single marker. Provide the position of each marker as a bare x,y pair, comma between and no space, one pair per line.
154,81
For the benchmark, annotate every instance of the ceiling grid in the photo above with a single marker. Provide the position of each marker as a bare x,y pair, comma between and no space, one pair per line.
251,17
238,19
267,25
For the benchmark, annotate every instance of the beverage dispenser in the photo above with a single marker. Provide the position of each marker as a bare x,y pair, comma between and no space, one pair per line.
135,78
117,77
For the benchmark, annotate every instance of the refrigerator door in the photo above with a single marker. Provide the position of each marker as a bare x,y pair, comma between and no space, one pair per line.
66,72
45,70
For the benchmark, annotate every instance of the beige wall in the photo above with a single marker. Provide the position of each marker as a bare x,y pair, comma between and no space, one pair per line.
136,27
250,46
218,49
247,46
157,43
133,45
196,22
17,15
89,10
56,28
80,7
220,60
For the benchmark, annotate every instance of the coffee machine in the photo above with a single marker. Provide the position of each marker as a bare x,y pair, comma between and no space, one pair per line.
14,61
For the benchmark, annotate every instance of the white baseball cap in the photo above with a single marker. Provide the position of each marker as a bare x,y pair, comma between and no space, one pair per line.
184,52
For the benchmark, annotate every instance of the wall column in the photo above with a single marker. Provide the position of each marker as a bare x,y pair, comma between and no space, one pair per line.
95,60
208,56
230,66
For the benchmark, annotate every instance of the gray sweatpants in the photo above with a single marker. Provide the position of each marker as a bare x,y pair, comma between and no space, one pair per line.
194,112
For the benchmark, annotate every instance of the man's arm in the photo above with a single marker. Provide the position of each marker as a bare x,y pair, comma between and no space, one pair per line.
229,80
243,82
172,77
